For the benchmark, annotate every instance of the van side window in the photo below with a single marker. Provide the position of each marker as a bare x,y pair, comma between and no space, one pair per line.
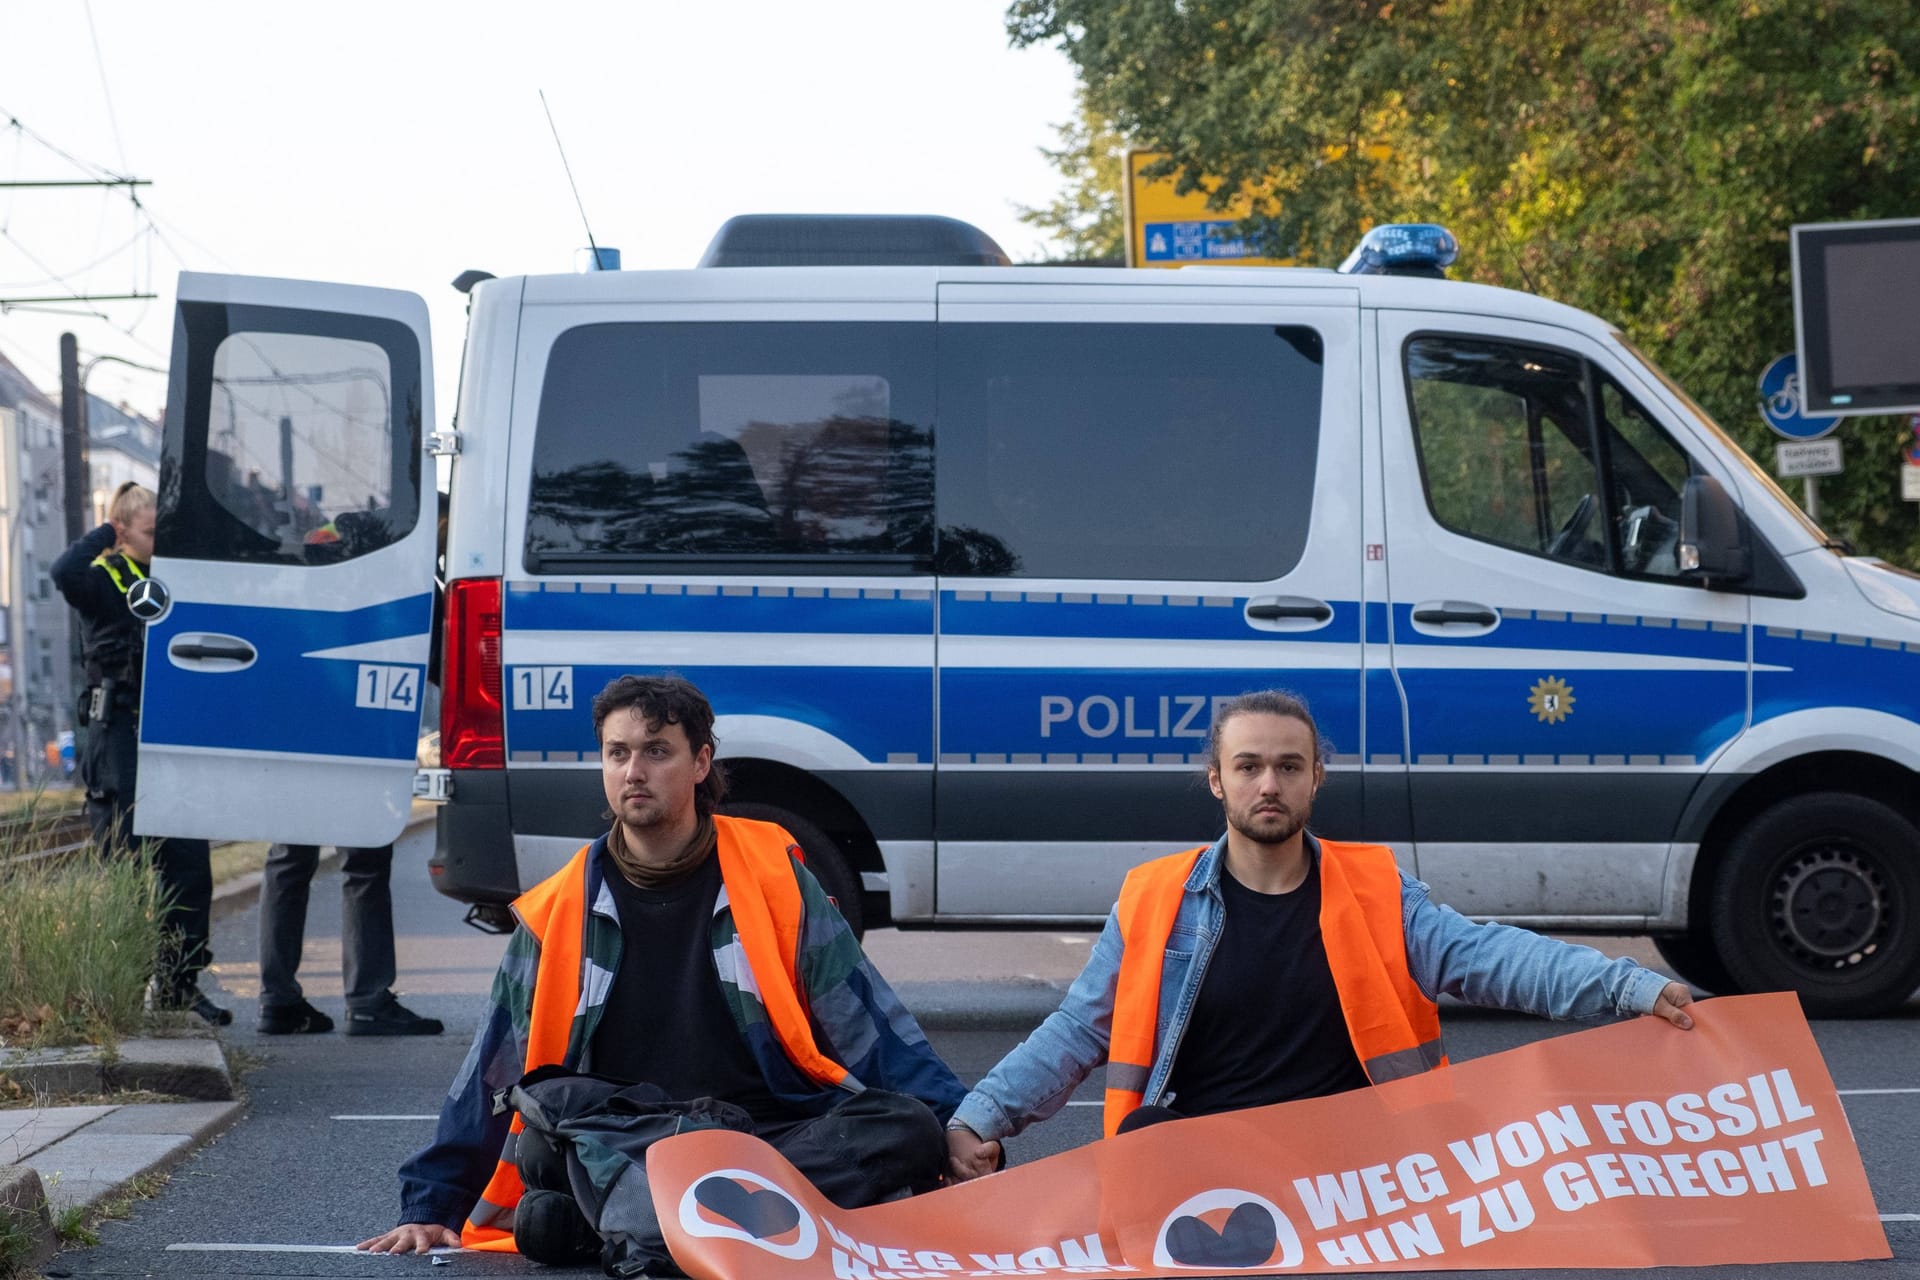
304,449
1648,473
1504,445
1150,451
726,446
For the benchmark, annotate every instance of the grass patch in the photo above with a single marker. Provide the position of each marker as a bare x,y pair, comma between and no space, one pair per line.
19,1238
74,1225
78,938
44,802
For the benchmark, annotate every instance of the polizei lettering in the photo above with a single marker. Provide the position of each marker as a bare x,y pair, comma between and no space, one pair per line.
1170,715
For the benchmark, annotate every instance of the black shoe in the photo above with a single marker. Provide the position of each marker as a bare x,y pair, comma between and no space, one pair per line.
193,1000
548,1227
210,1013
293,1020
391,1019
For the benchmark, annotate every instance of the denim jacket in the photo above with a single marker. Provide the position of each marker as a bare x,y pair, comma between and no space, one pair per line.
857,1018
1484,964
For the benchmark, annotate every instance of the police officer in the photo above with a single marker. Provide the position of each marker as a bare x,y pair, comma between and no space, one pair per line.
95,574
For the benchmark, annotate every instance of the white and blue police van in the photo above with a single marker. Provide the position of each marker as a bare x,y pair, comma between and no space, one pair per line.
965,553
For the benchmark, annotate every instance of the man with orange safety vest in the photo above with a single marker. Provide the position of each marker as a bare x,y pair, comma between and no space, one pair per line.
692,965
1272,965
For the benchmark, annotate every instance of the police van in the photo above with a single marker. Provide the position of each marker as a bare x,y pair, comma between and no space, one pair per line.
965,553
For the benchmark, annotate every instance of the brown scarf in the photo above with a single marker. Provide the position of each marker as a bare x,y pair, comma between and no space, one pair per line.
651,875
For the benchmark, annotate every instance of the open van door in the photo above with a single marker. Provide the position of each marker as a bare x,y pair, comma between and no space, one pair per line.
290,605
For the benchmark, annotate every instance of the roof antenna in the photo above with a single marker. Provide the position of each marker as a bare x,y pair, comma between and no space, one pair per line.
602,259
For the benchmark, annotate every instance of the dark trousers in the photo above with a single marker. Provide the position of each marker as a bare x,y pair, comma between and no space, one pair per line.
870,1147
366,923
109,767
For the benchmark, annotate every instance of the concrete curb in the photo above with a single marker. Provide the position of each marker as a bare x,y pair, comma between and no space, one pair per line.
186,1067
100,1158
23,1206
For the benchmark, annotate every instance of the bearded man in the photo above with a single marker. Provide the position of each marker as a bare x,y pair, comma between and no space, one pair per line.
1272,965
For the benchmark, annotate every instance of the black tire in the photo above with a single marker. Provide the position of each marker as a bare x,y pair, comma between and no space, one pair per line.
824,859
1821,895
1693,957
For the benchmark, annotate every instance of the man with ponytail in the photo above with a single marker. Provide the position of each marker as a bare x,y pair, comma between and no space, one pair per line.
1273,965
95,574
689,962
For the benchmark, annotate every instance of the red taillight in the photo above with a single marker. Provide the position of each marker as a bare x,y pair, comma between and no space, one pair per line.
471,729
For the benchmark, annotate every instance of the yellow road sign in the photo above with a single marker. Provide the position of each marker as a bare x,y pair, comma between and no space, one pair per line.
1165,229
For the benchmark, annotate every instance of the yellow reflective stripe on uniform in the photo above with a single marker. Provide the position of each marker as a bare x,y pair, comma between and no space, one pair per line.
118,582
1418,1060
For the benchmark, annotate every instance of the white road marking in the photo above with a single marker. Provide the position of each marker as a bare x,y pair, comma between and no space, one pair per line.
434,1116
290,1248
1851,1093
1900,1217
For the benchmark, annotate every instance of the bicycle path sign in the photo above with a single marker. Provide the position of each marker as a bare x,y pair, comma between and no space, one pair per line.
1780,402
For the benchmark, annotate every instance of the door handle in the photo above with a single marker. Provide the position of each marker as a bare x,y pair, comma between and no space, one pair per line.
231,652
1274,610
1288,613
219,653
1477,614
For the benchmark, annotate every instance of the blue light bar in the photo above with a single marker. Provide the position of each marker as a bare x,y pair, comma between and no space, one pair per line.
1404,249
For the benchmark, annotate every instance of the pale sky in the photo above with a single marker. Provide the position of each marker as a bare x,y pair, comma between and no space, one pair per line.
397,143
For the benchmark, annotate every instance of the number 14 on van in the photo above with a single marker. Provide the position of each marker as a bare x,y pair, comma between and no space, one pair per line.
387,688
543,688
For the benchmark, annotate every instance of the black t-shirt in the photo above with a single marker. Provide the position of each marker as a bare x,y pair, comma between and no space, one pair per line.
666,1020
1267,1025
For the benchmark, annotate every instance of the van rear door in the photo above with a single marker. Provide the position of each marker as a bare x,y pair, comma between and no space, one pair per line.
289,620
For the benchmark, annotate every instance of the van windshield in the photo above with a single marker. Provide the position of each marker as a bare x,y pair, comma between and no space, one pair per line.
1705,422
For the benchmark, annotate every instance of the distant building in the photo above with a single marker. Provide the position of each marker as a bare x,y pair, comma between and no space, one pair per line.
36,676
121,445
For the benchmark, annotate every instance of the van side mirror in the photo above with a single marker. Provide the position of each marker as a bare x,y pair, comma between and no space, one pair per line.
1713,541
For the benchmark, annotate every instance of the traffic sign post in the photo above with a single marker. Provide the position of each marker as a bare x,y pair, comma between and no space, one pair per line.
1781,409
1808,458
1167,229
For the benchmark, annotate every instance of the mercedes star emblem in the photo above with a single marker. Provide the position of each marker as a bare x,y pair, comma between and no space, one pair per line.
149,599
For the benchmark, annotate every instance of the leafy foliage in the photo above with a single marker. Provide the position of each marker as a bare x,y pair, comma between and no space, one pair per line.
1086,219
1641,159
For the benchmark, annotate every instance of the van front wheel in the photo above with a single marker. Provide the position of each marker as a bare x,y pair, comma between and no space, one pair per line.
1821,895
1695,960
824,859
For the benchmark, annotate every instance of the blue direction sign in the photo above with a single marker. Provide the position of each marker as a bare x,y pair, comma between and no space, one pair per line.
1780,402
1210,240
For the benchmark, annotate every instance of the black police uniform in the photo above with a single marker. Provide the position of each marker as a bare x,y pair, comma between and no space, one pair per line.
95,581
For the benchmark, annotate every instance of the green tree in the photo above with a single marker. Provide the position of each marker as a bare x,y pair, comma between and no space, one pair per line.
1086,219
1641,159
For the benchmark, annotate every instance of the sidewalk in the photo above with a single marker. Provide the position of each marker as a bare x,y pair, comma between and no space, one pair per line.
55,1159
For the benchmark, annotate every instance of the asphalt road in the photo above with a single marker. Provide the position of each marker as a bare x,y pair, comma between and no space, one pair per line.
311,1167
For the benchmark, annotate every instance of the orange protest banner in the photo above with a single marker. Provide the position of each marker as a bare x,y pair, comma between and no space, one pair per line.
1632,1145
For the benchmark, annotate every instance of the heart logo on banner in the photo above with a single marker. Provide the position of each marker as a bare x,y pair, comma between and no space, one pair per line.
1247,1239
761,1214
1228,1229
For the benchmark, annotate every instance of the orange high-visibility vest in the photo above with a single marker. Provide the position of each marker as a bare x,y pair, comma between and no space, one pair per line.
1395,1028
767,910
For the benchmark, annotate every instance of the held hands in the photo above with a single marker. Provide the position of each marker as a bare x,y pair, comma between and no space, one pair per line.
1672,1005
968,1157
412,1237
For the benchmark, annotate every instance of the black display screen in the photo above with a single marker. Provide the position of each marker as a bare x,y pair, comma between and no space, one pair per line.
1857,311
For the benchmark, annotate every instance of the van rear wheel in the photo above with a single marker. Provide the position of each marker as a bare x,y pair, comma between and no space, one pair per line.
824,859
1821,895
